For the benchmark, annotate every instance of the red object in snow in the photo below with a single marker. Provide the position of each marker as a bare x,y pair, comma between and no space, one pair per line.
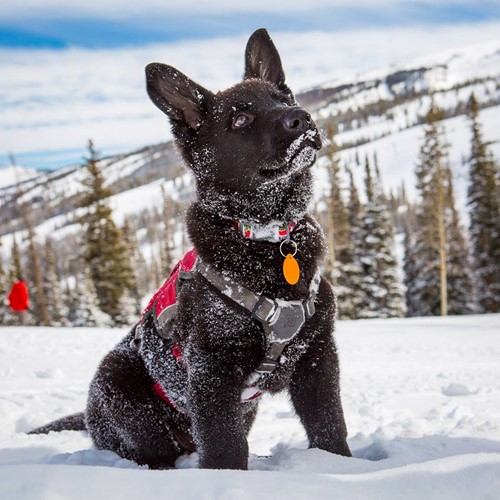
19,298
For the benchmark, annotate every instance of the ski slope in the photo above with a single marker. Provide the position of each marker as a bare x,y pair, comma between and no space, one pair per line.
421,398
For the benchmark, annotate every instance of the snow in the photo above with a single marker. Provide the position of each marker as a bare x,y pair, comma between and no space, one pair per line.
397,154
420,395
393,136
12,174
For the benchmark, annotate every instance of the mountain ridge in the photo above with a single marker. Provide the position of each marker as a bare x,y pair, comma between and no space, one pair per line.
376,104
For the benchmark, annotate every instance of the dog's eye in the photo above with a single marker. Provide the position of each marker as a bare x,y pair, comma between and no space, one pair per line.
242,120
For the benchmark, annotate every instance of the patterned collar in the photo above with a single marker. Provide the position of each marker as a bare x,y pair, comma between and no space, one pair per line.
274,232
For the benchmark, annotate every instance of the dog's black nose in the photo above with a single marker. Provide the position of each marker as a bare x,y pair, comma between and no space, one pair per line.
297,120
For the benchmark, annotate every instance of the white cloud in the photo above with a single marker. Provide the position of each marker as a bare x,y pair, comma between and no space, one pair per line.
117,9
53,100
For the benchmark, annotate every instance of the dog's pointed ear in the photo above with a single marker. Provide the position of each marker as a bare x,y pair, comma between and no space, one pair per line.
179,97
263,61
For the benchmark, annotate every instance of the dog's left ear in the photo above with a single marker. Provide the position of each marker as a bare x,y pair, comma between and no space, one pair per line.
263,61
183,100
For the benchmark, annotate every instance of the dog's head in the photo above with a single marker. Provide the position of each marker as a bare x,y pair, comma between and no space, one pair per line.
245,138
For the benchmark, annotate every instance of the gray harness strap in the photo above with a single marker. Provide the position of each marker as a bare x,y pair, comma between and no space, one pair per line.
280,319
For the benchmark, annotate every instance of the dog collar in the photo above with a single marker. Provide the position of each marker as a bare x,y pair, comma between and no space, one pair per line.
274,232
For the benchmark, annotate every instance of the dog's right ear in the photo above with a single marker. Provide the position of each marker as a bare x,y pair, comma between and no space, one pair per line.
179,97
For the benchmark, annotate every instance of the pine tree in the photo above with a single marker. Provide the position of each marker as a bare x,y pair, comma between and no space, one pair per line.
136,267
34,271
7,316
411,272
337,229
105,252
15,273
429,244
383,297
483,199
56,303
167,245
461,296
84,303
4,291
16,269
350,296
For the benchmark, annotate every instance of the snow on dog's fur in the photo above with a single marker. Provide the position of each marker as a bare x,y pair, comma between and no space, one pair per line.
250,148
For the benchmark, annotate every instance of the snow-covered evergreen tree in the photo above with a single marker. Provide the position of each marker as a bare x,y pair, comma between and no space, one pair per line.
460,278
56,303
137,264
16,273
15,269
167,245
383,296
437,265
428,239
342,230
350,296
484,209
105,252
4,291
84,307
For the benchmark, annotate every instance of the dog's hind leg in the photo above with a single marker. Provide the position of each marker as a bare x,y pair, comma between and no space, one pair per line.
125,415
315,389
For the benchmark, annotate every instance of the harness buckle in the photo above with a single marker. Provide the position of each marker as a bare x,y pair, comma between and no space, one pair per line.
135,343
165,320
266,310
267,366
309,307
290,320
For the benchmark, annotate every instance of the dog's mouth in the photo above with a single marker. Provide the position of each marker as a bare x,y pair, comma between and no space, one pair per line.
301,154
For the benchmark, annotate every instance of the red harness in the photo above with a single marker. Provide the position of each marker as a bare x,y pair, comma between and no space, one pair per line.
166,296
163,305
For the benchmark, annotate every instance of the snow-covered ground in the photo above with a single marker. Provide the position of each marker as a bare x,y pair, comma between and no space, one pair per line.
421,398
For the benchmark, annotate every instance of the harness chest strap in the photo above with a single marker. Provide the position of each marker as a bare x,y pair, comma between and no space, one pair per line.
281,320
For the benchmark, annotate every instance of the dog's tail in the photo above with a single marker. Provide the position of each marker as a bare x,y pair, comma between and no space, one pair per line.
75,422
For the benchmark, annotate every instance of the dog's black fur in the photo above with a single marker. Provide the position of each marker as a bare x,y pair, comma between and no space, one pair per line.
245,168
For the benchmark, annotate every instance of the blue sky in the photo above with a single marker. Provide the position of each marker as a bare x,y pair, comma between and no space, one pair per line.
60,27
73,69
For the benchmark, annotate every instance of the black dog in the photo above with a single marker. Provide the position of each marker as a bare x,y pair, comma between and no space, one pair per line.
188,376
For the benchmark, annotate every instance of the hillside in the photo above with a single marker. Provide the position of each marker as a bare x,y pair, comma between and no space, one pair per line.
13,174
378,112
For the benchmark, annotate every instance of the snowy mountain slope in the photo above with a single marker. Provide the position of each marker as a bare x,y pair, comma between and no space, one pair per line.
450,70
397,153
421,398
12,174
377,112
52,193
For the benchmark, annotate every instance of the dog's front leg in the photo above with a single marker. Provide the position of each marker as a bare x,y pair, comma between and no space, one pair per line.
217,418
315,394
315,387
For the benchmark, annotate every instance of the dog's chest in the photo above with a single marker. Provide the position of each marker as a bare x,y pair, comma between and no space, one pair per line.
217,331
